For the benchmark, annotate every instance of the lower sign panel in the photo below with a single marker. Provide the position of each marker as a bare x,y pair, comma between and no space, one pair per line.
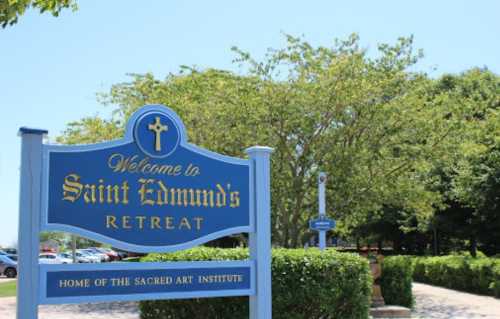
81,283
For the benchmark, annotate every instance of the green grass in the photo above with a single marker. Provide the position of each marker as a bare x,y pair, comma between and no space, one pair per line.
8,289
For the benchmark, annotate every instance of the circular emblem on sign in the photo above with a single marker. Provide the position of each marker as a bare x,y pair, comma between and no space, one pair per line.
156,134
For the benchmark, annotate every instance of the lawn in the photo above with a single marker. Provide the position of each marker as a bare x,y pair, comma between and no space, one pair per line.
8,289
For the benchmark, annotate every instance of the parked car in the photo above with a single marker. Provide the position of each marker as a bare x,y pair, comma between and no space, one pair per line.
88,255
103,257
10,251
122,254
99,251
8,267
13,257
113,256
51,258
48,250
79,257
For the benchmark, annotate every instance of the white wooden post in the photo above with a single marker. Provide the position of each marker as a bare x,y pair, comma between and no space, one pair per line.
29,222
260,239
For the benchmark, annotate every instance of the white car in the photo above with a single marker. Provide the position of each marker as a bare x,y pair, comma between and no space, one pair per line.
96,252
88,256
100,256
51,258
80,258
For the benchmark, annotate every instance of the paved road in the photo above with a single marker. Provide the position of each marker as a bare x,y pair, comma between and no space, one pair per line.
440,303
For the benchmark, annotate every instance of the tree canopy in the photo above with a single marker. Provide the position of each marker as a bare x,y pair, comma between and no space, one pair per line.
378,129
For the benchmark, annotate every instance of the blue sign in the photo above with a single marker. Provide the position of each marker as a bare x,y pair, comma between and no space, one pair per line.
105,282
322,224
151,190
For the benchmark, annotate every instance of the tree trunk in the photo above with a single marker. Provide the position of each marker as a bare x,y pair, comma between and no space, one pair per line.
436,248
396,246
473,246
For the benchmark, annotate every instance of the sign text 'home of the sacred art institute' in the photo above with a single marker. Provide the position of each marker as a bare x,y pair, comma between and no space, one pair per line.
151,191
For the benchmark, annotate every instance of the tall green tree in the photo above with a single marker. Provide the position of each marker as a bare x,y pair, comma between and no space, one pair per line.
364,120
470,181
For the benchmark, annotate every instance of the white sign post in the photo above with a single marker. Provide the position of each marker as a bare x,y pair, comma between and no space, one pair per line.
322,224
321,198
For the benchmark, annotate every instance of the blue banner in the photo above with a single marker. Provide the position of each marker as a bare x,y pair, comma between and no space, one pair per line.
141,281
150,191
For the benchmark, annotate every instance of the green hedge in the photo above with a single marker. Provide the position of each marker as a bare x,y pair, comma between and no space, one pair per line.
478,275
396,281
305,284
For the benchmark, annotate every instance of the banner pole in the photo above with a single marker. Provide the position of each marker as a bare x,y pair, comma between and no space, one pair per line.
29,222
260,239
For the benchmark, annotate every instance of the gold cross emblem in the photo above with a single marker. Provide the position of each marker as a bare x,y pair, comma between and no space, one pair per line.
157,128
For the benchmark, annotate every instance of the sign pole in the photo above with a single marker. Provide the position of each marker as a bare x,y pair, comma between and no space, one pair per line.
322,213
29,222
260,239
322,224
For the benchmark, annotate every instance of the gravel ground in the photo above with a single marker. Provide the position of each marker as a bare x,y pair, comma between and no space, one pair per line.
435,302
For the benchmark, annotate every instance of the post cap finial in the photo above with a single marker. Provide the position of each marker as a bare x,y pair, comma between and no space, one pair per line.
27,130
259,150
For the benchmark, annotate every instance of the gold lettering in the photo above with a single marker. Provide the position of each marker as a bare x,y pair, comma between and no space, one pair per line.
191,196
155,222
101,191
235,199
208,196
121,164
181,196
125,189
144,191
111,221
74,283
141,221
115,162
89,198
162,192
198,197
198,221
113,193
220,196
168,222
177,170
184,223
125,222
71,188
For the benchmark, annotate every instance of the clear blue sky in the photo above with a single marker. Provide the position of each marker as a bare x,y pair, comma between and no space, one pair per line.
51,68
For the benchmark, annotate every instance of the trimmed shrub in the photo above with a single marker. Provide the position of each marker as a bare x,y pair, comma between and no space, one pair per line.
477,275
396,280
305,284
